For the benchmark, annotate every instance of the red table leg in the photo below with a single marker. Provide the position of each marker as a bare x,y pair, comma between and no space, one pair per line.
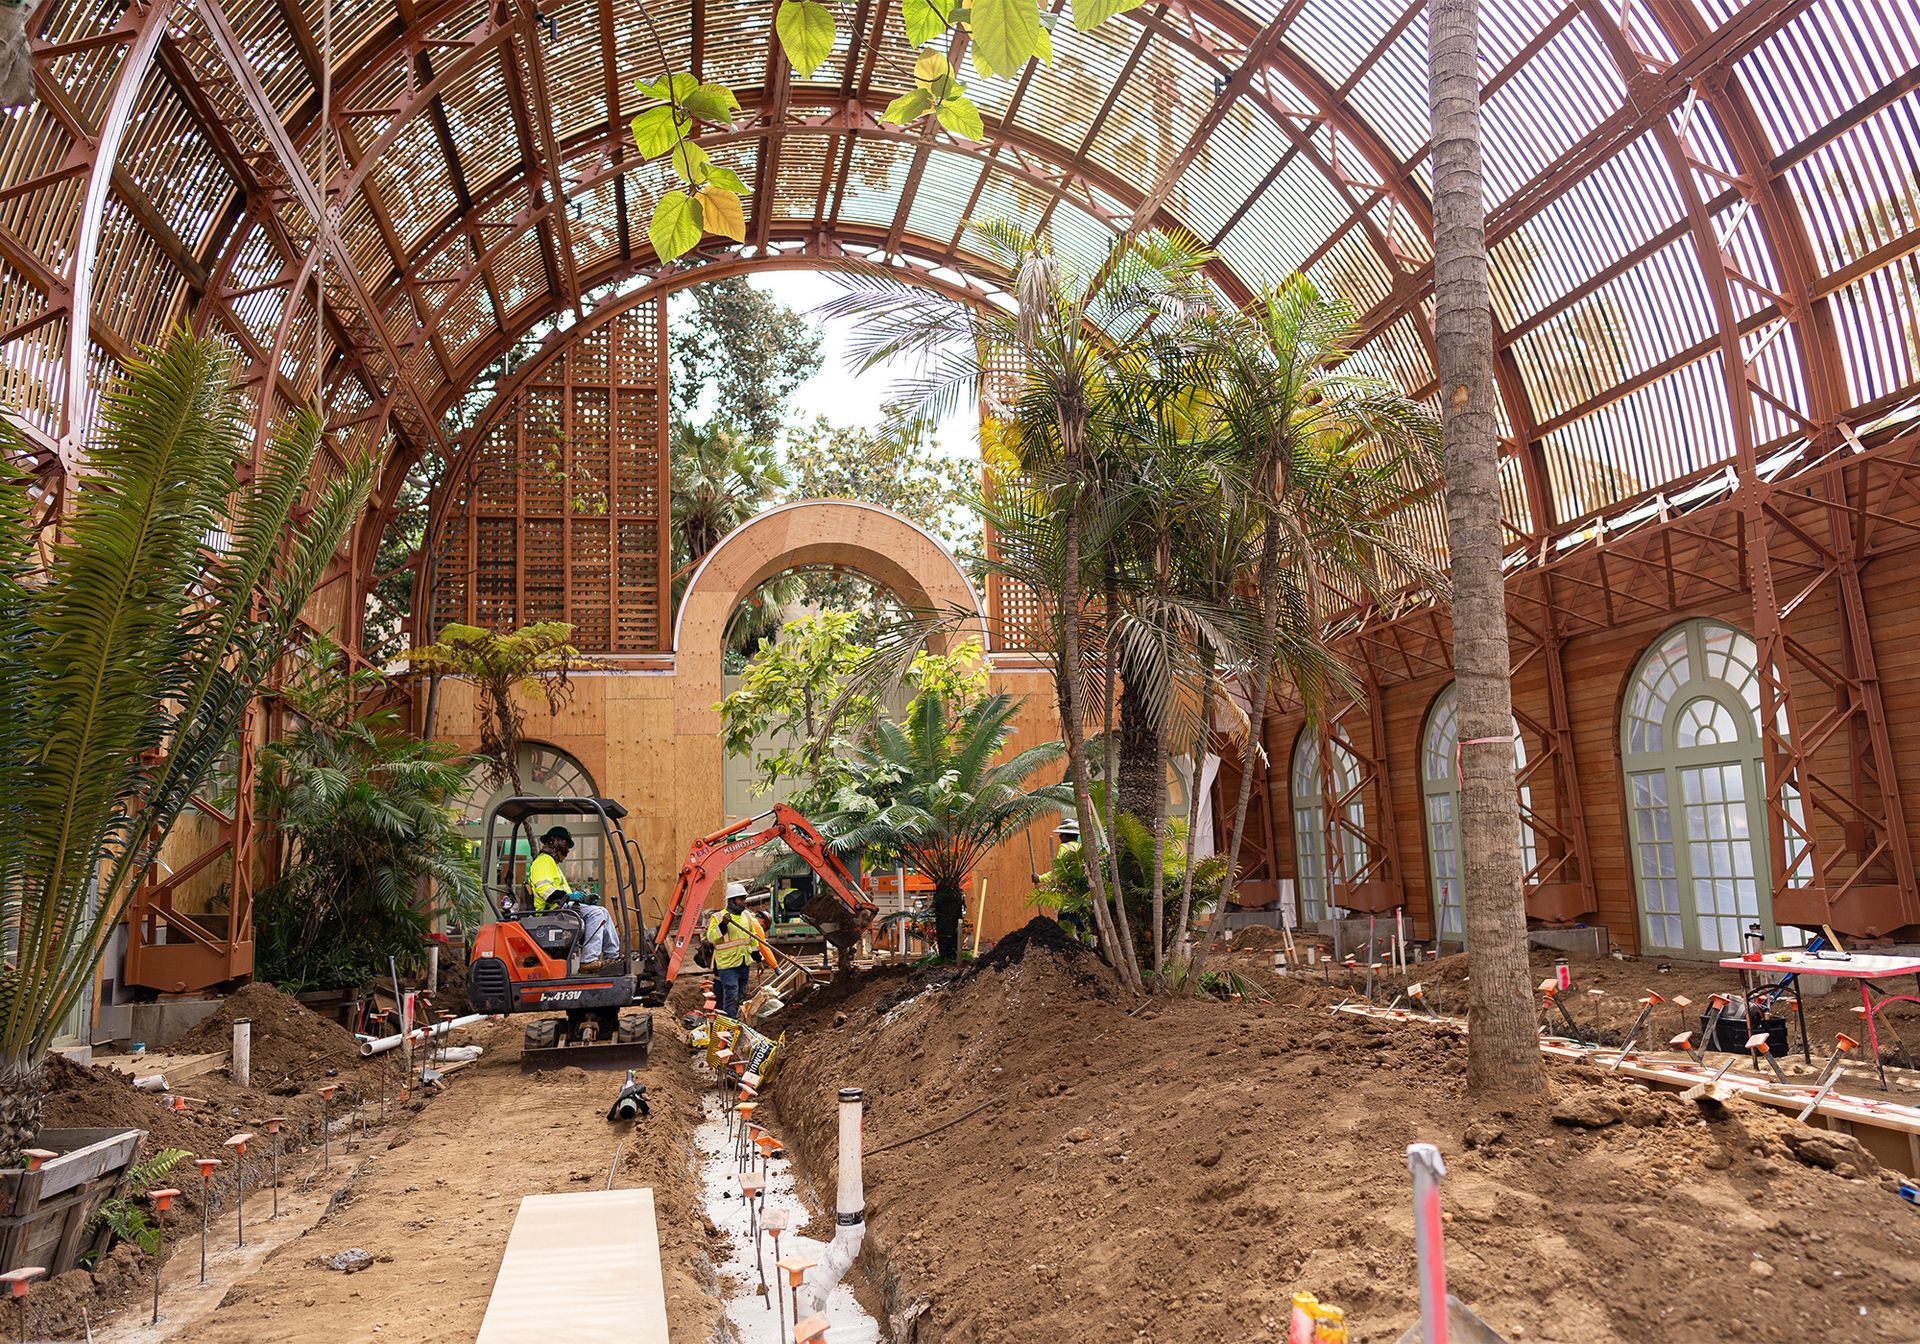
1873,1036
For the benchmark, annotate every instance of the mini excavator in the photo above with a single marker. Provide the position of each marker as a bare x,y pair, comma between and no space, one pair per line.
528,960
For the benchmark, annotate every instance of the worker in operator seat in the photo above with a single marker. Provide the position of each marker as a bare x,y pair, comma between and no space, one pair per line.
734,933
600,943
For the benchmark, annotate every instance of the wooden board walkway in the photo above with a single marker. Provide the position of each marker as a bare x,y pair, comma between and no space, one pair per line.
583,1267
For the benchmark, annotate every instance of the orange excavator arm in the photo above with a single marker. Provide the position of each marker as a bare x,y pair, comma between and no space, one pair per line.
707,860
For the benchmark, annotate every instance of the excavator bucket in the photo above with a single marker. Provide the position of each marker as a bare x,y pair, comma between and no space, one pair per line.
548,1043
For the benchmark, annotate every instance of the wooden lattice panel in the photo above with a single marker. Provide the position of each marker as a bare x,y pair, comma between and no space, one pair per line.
561,516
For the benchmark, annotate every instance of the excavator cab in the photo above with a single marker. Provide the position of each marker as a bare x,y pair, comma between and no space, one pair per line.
528,960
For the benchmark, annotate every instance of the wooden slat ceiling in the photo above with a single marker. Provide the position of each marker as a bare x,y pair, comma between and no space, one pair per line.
1704,215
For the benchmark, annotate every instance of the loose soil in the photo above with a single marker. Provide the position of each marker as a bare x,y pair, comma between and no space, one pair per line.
295,1052
1172,1171
1607,992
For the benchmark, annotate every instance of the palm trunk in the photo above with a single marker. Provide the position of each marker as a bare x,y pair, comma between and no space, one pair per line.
1142,768
1503,1049
1123,925
1257,710
1160,856
1195,794
1072,726
22,1101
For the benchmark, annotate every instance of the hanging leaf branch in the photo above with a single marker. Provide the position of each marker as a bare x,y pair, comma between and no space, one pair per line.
708,199
1001,35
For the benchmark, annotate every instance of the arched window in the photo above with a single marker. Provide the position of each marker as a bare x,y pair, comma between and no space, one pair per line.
1440,782
1696,798
1311,874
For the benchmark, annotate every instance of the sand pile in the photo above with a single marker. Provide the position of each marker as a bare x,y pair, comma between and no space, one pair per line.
1173,1175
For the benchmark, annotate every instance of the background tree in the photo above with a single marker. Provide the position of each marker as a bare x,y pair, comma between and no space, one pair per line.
742,353
720,479
898,466
127,663
925,792
536,659
1503,1048
783,701
366,813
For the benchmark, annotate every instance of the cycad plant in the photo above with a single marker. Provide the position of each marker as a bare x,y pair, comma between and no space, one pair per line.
129,652
930,794
373,848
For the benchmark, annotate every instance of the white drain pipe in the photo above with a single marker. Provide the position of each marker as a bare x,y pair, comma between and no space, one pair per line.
850,1208
380,1045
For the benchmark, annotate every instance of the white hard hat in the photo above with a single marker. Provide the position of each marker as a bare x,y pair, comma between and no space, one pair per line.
736,889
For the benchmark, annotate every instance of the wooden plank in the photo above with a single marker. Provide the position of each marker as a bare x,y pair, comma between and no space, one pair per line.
582,1266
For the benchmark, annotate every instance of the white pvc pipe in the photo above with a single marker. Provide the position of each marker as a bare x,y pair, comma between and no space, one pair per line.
850,1208
242,1062
381,1045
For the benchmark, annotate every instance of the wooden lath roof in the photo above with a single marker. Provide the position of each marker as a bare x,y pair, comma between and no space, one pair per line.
1704,214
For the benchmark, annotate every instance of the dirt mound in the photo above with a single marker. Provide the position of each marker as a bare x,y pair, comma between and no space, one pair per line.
1043,1165
1039,933
290,1040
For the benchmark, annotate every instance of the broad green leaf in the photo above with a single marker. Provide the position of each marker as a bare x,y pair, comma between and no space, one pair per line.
722,176
806,34
722,213
981,63
908,107
959,115
932,73
690,163
654,131
1008,32
669,88
711,102
675,227
1045,42
924,20
1091,14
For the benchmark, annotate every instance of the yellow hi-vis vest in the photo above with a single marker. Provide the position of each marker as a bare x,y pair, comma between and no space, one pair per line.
547,883
733,938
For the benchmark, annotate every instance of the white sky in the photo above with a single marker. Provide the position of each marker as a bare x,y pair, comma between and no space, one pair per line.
837,392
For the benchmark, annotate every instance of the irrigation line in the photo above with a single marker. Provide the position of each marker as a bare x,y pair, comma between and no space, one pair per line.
929,1133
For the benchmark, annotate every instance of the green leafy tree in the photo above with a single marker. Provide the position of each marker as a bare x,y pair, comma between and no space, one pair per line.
927,792
742,352
536,659
897,467
366,813
128,659
789,687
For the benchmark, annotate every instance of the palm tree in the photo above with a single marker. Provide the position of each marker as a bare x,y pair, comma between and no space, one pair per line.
128,660
365,811
930,796
1331,455
719,481
1064,352
1503,1054
536,658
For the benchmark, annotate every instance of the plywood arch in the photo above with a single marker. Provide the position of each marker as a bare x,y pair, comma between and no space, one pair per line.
895,553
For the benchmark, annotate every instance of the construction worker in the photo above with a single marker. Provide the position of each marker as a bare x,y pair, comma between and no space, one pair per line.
599,941
734,934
